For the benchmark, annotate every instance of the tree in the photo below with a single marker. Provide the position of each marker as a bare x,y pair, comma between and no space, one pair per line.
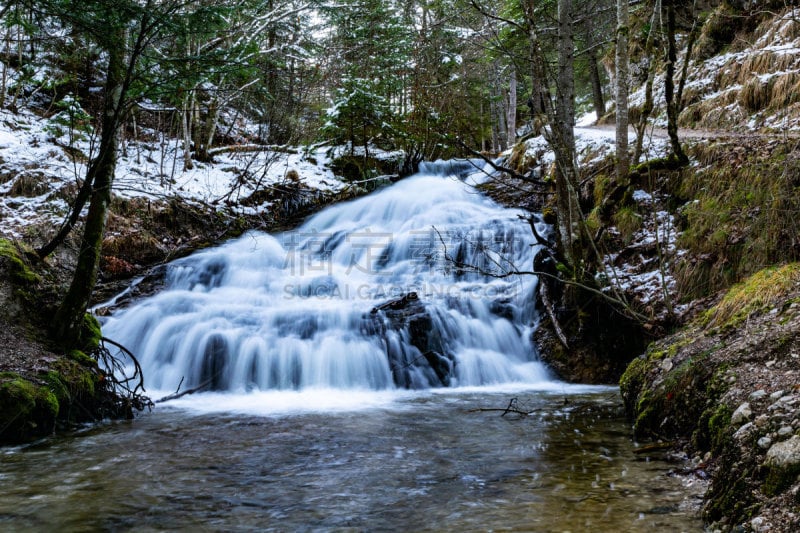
672,103
621,94
123,30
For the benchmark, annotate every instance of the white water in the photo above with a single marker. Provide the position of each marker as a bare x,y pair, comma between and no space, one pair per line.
292,312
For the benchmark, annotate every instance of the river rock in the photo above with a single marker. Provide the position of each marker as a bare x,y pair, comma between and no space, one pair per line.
426,362
741,415
757,395
783,462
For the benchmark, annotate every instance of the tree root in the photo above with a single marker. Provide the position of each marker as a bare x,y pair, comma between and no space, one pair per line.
127,390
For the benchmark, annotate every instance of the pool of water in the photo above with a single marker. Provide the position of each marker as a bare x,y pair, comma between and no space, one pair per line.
424,461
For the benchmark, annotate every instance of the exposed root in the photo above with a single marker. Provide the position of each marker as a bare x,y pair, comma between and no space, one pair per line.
126,389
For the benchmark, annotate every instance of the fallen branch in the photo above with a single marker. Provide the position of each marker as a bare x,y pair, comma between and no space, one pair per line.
175,395
249,148
657,447
500,168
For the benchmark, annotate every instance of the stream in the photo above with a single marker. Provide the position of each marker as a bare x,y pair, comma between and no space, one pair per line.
354,376
426,461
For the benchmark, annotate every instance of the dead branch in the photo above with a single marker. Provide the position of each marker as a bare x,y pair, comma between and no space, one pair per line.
500,168
249,148
175,395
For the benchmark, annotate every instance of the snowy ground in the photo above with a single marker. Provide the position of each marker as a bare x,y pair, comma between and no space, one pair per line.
35,165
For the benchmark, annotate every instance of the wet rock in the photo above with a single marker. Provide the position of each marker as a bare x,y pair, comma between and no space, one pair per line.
417,352
759,524
741,415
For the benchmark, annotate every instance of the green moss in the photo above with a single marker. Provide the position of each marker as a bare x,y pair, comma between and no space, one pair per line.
731,498
90,333
81,358
80,380
719,427
26,409
21,274
55,383
779,479
632,381
628,222
673,407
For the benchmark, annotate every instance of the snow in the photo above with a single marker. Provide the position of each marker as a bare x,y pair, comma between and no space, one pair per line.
151,170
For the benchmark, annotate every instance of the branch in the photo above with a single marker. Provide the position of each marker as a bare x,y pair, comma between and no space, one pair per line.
175,395
500,168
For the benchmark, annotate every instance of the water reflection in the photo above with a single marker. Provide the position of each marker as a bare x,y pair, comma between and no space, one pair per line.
428,463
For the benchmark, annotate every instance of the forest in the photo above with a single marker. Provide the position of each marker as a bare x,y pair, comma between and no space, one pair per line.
649,149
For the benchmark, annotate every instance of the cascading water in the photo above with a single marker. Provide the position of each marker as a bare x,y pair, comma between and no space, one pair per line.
392,290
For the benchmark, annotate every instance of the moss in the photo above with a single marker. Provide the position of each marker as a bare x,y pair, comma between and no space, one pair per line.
549,215
731,497
719,427
673,407
26,409
762,291
81,358
80,380
21,274
632,381
628,222
779,479
90,333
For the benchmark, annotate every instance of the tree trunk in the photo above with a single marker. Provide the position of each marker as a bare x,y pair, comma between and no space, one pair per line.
511,115
647,106
669,85
564,140
597,85
621,96
69,317
685,70
186,126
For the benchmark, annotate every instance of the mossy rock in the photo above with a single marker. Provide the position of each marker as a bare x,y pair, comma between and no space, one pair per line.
20,272
783,464
671,408
27,410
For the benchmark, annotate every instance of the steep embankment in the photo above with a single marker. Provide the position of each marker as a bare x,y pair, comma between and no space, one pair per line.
41,387
725,388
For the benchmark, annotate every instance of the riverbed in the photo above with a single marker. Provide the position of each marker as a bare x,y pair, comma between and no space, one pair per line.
401,461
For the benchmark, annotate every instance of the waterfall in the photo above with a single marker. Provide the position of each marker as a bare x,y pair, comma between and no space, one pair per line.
405,288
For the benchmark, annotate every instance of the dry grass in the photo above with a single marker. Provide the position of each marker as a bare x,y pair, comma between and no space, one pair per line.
785,90
712,113
745,213
761,291
755,94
